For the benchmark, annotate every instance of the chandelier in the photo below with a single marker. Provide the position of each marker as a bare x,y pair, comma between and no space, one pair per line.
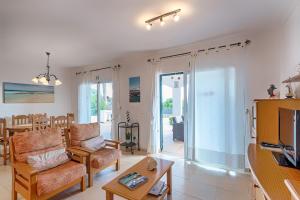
47,78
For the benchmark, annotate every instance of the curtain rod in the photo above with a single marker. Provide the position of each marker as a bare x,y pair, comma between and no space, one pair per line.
175,55
239,44
94,70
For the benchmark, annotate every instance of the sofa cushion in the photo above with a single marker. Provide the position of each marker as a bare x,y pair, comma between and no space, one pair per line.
93,144
48,159
104,157
36,142
52,179
80,132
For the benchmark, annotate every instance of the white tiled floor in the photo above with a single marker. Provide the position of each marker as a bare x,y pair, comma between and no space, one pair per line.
190,182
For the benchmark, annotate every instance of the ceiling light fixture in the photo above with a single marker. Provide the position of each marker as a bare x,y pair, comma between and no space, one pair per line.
162,22
148,26
173,13
176,17
45,78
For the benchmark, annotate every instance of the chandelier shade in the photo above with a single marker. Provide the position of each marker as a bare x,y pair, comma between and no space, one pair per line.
47,78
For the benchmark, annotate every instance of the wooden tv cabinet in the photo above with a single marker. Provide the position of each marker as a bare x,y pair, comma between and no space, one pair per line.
271,181
267,117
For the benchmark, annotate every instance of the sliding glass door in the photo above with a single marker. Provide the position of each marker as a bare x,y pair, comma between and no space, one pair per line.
101,106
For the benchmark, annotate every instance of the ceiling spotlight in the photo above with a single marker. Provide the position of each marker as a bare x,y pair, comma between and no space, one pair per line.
148,26
176,17
162,22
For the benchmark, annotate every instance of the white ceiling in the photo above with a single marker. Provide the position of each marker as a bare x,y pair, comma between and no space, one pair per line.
85,32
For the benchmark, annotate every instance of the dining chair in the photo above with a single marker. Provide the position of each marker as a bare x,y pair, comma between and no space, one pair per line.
40,122
21,119
3,141
71,119
59,122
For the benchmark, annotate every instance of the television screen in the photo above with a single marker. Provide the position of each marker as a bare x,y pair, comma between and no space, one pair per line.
287,132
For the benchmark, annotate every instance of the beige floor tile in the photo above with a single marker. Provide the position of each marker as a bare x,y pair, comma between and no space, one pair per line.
190,182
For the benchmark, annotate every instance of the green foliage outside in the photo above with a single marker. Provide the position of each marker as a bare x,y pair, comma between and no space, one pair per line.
102,104
168,105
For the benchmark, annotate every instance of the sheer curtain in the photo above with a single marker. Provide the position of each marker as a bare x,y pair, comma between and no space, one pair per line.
84,112
116,101
154,137
216,117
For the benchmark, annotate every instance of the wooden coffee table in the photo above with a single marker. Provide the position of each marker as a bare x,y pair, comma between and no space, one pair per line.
141,193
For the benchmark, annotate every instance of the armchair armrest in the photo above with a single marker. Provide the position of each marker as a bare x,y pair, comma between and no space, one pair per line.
112,143
78,154
25,169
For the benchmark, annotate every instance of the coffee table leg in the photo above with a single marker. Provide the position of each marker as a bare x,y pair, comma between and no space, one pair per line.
109,195
169,180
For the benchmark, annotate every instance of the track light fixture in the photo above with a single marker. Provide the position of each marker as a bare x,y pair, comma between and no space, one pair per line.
173,13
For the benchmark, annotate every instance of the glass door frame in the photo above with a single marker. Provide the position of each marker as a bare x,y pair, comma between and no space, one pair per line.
161,104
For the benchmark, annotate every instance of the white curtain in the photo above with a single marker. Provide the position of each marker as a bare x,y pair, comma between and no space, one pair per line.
154,137
116,102
84,112
216,116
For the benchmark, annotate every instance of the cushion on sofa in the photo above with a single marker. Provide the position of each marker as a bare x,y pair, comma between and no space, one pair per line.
93,144
36,142
48,159
80,132
52,179
104,157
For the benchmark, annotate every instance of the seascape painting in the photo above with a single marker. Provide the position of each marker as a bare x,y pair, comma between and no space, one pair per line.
134,90
27,93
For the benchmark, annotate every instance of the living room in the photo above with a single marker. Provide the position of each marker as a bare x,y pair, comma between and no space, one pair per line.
186,86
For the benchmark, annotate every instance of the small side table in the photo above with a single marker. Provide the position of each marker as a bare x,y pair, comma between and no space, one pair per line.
130,126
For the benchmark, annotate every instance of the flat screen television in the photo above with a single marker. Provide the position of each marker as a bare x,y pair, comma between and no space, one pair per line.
289,135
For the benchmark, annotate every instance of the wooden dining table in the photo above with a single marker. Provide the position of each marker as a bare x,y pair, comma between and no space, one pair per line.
18,128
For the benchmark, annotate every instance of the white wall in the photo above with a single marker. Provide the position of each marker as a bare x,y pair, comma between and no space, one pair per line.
290,49
17,72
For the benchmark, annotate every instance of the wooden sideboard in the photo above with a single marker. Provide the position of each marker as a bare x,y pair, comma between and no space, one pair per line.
294,188
268,177
267,117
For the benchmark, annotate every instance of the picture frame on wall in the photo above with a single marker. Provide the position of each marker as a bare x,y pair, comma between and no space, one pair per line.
27,93
134,89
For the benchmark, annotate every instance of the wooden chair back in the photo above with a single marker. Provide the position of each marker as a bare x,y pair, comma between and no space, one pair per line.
67,137
21,119
3,140
71,119
40,122
2,127
59,122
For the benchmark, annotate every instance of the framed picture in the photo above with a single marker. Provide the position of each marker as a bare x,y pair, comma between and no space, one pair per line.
134,89
27,93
